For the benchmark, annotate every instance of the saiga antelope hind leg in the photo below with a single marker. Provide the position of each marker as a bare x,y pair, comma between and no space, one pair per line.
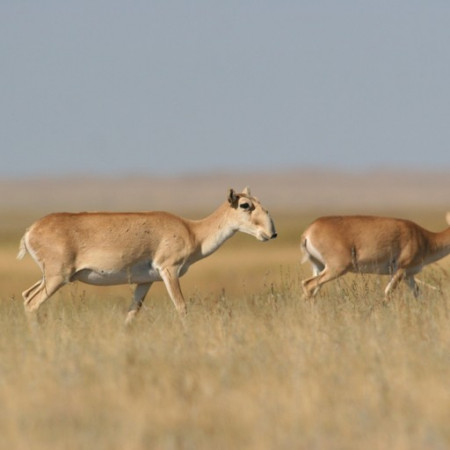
311,286
41,291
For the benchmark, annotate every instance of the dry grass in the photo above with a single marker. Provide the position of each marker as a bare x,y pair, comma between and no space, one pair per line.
256,368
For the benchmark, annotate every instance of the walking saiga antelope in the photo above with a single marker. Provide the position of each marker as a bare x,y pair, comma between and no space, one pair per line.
369,244
134,248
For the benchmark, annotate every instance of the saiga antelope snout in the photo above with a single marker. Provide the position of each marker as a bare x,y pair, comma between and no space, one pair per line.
134,248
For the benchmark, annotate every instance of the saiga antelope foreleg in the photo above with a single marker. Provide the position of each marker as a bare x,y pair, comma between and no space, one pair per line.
138,298
172,283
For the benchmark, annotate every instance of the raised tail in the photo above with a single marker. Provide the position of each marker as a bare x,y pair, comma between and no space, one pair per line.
305,254
22,248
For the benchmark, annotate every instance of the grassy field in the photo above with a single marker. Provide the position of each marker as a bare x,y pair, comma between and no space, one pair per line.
256,368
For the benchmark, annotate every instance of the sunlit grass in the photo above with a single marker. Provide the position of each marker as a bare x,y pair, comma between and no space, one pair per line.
255,367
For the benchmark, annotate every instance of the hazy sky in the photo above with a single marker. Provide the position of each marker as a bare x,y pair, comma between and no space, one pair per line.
169,87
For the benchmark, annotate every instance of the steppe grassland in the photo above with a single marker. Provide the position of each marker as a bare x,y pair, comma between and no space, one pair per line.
257,367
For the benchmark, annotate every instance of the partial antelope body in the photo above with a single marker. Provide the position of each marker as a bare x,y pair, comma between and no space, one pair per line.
137,248
336,245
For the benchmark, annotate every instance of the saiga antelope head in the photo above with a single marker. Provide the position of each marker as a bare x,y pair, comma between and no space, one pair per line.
250,217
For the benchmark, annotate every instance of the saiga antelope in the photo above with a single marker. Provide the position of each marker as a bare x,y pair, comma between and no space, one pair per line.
368,244
133,248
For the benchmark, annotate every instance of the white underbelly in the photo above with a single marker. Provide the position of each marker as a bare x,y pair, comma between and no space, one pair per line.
142,272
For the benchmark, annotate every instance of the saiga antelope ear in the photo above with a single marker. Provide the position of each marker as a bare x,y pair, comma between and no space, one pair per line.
232,197
246,191
448,217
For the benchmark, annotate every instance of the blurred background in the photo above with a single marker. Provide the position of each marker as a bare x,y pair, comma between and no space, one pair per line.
324,105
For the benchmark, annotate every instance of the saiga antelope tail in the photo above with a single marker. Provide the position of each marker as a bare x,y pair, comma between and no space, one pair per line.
22,248
305,254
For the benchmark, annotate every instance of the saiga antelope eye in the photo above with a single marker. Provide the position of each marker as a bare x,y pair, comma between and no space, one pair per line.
245,205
